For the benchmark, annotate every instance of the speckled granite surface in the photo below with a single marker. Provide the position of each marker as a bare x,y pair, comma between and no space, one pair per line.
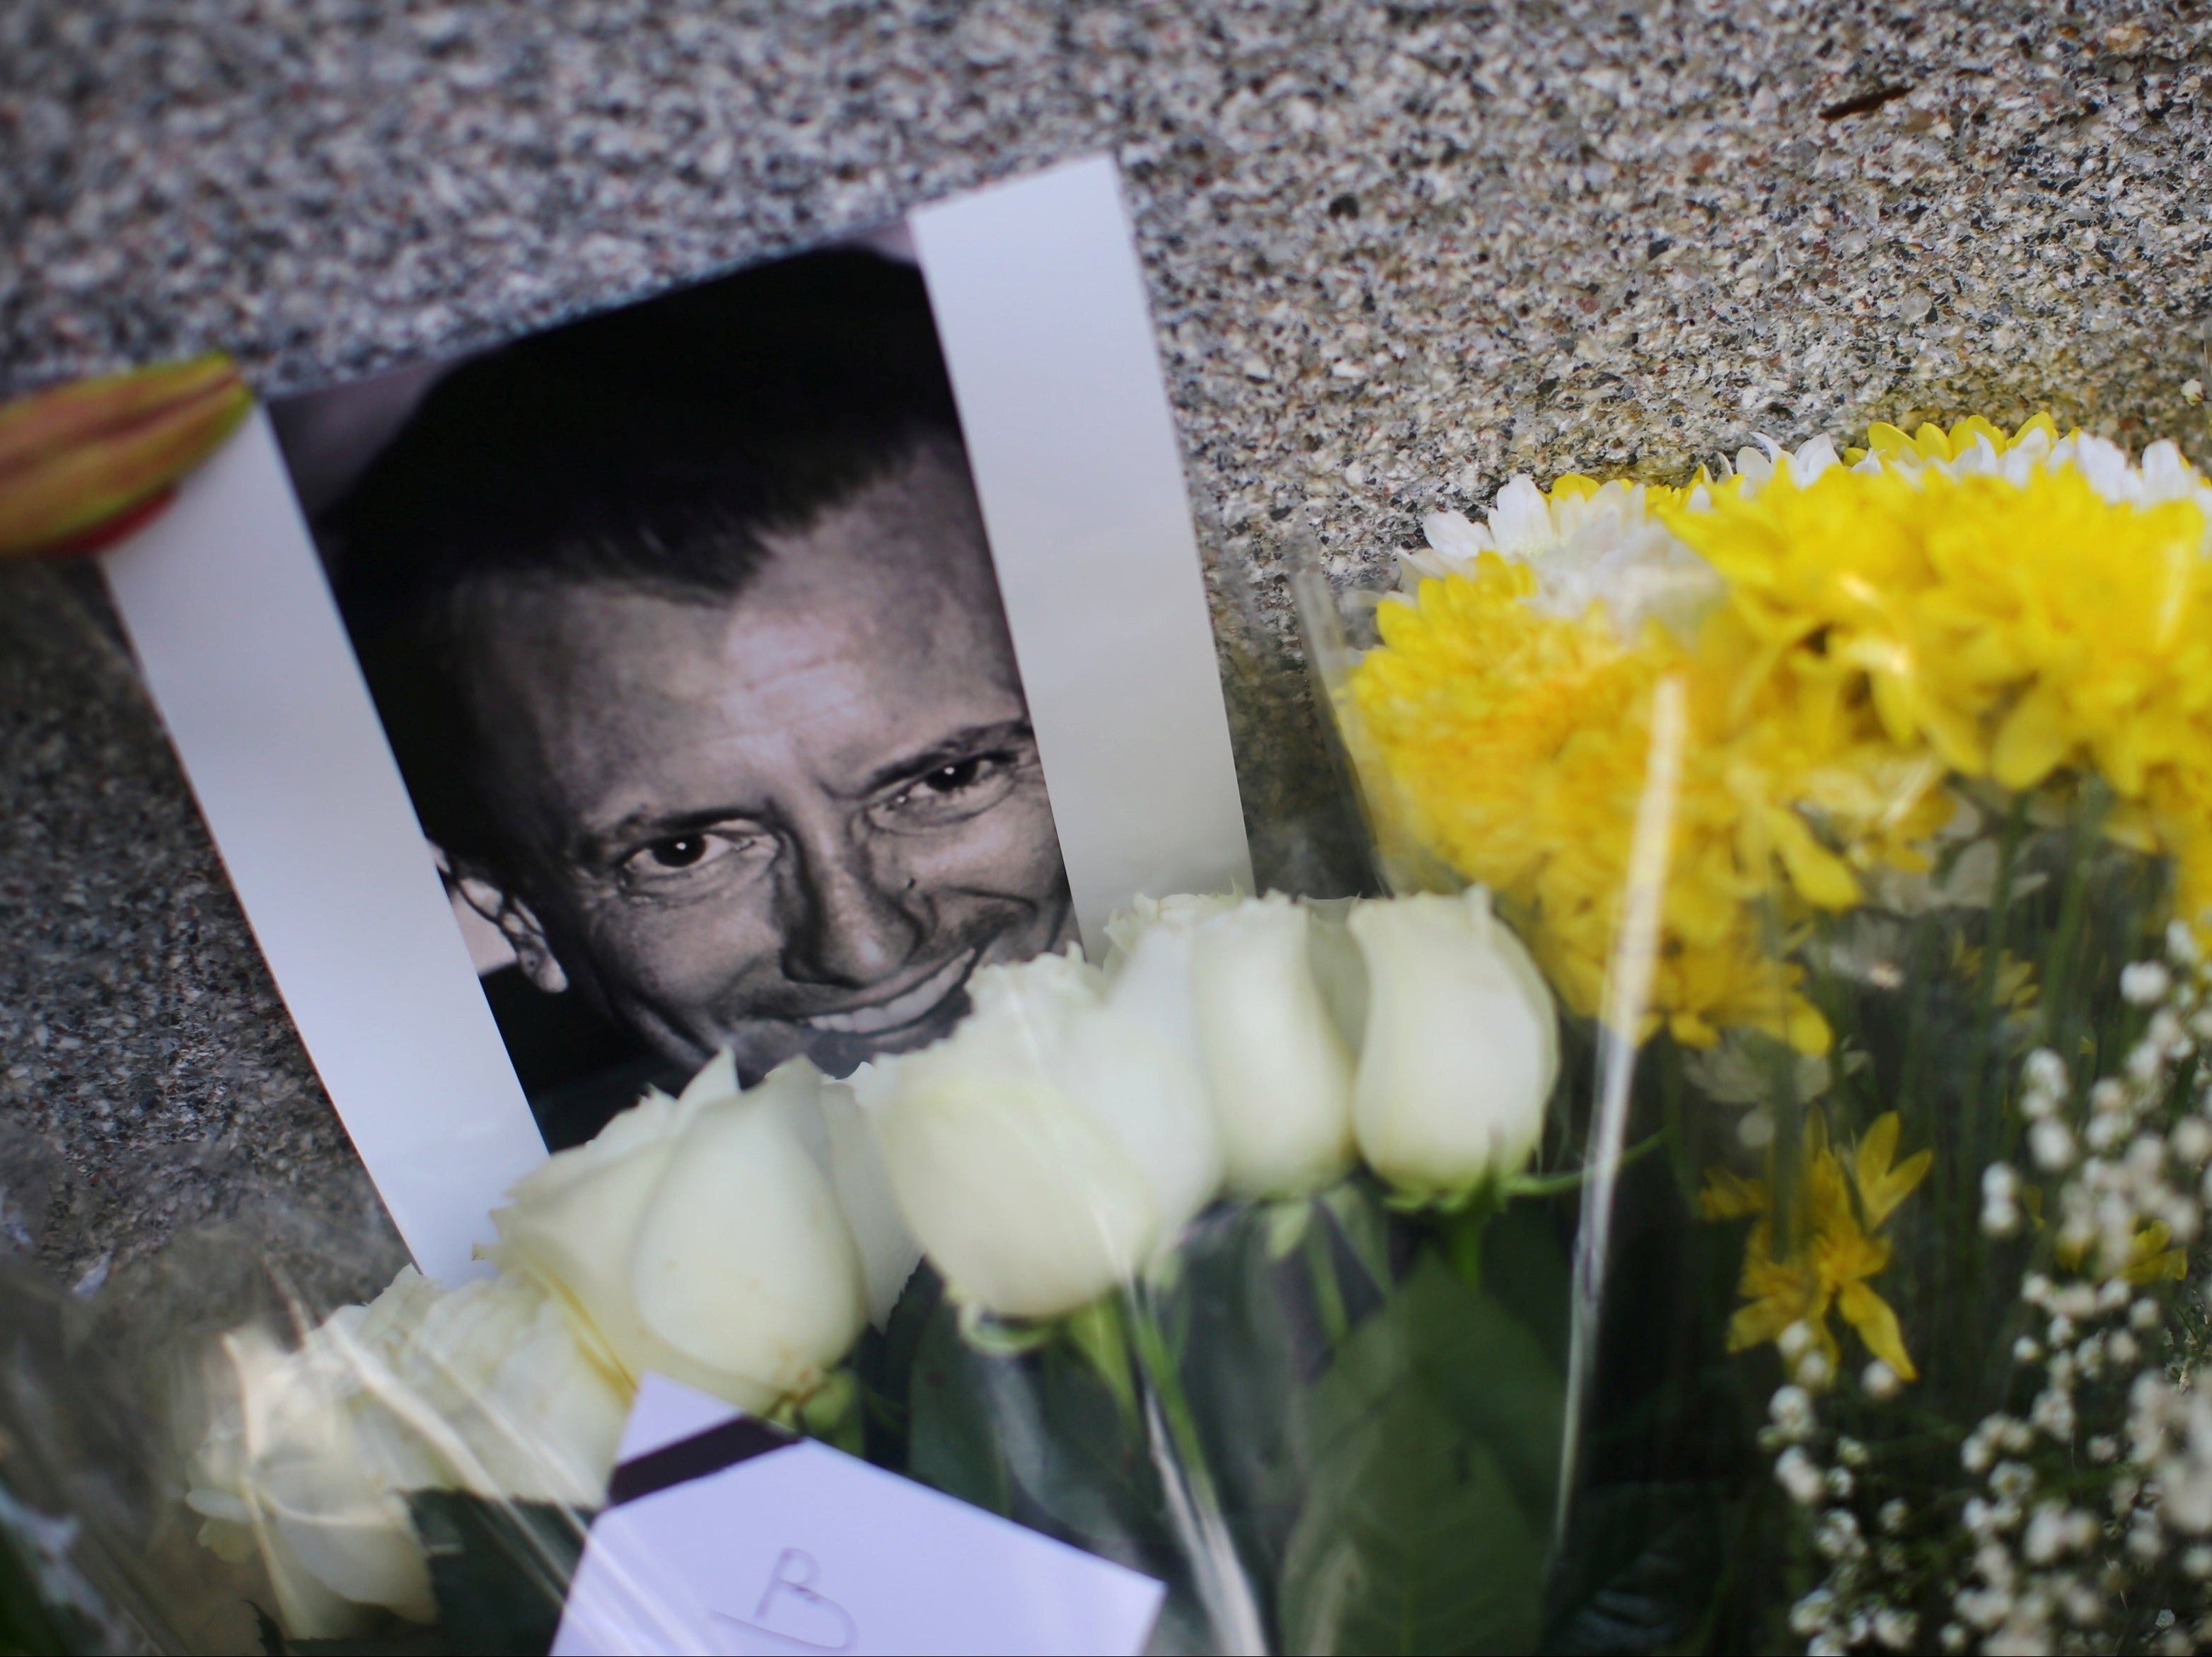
1396,253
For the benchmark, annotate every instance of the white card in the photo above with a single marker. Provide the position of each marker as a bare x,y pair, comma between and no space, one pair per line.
726,1534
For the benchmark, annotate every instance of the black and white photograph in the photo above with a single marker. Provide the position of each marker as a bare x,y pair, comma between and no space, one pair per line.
740,667
682,622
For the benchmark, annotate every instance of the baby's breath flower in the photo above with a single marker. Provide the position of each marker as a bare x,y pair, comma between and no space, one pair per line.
2053,1412
1799,1475
1790,1410
1810,1614
2051,1145
1837,1536
2145,982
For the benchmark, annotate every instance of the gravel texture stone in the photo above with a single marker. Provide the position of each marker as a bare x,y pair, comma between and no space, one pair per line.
1396,253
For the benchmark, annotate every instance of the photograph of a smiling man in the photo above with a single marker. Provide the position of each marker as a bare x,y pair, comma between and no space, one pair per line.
683,626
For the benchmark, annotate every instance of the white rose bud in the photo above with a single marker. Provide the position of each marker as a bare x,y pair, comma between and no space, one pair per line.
829,1121
1232,985
1048,1148
1462,1045
701,1238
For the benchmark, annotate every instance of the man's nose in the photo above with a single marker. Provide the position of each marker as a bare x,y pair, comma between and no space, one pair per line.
846,928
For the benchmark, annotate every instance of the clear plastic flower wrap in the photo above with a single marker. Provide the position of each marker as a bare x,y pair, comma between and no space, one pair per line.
1240,1259
1856,805
1743,1190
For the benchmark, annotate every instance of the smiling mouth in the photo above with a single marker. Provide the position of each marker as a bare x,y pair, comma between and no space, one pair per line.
901,1010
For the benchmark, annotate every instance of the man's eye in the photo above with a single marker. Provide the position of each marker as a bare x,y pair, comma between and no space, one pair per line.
950,792
677,856
680,853
953,778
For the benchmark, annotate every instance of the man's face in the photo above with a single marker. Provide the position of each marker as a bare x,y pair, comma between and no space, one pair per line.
790,823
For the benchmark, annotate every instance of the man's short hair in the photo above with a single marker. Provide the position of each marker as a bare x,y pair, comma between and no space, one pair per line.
652,447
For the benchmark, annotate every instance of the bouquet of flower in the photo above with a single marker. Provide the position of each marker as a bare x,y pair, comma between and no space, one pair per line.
1237,1271
1858,808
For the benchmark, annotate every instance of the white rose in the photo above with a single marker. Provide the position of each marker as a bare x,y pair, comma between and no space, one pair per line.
491,1375
700,1237
1461,1043
310,1459
1048,1148
308,1463
1232,985
294,1469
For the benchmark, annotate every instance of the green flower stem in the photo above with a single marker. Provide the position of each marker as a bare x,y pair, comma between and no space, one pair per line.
1462,1241
1971,1149
1095,1332
1554,1185
1193,1503
1985,1021
1675,1129
1788,1153
1328,1294
2061,1016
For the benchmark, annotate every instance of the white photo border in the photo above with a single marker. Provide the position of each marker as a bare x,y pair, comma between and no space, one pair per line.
1039,301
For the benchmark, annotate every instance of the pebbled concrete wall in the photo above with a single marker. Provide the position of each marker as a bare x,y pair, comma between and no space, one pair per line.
1397,253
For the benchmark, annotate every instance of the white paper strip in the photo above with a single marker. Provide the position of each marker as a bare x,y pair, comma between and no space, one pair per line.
240,640
1040,302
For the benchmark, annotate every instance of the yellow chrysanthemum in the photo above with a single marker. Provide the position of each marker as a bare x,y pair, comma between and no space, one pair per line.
1932,442
2012,629
1519,744
1974,602
1839,1249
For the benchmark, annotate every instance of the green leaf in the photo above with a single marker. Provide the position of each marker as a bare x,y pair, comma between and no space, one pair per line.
1638,1571
1243,1358
1412,1541
1435,1444
29,1622
1359,1218
396,1639
500,1569
954,1444
1527,1274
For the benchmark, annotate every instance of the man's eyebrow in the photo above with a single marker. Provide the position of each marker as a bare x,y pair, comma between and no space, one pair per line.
950,750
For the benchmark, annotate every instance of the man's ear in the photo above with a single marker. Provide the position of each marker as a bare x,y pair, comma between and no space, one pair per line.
518,924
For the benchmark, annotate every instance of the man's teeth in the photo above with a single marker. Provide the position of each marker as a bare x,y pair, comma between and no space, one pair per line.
900,1010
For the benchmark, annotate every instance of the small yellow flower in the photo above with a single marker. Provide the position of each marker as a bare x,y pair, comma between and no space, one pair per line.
1839,1250
2151,1260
